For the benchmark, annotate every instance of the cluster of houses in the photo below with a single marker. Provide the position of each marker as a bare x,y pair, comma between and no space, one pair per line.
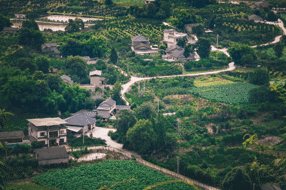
52,132
141,46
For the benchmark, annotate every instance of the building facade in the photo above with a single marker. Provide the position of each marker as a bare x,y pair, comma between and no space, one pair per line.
48,131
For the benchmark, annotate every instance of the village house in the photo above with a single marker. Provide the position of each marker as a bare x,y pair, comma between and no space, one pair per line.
67,79
54,155
176,53
90,61
141,46
48,131
81,121
259,5
10,30
12,138
96,79
171,37
108,108
148,1
255,18
20,16
50,47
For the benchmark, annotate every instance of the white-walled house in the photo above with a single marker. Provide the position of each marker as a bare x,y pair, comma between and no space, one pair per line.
81,121
171,37
48,131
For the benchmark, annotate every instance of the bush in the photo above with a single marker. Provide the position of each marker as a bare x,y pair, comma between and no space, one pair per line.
21,148
36,145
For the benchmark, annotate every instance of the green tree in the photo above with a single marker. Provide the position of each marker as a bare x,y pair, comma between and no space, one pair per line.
30,24
113,56
271,16
100,65
259,77
31,37
43,64
77,66
72,27
198,30
4,22
278,48
184,18
115,94
142,136
241,53
204,48
145,110
108,2
4,118
182,42
237,179
72,47
24,63
125,120
96,47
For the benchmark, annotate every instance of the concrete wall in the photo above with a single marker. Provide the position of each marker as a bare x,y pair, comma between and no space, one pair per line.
56,161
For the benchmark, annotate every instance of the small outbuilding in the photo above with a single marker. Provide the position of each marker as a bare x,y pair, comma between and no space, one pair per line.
255,18
48,156
12,138
50,47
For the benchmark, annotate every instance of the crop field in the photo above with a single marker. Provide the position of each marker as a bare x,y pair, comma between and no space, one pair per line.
211,81
235,93
113,174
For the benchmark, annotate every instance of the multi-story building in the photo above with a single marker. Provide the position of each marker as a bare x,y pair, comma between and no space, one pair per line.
49,131
171,37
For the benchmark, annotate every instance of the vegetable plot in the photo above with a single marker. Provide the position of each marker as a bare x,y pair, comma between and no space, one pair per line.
117,174
235,93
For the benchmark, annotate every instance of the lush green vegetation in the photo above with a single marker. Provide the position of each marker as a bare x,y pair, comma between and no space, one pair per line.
28,186
117,174
78,142
80,153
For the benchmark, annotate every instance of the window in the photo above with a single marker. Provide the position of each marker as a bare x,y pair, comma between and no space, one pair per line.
62,131
42,134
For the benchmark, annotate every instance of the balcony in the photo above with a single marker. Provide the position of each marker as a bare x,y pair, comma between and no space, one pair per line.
53,135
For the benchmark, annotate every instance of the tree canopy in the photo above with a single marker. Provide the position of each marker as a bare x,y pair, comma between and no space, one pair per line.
236,179
242,54
204,48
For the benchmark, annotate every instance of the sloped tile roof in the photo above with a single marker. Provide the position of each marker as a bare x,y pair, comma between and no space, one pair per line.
121,107
95,72
170,30
51,153
255,17
104,114
82,118
139,38
109,101
12,134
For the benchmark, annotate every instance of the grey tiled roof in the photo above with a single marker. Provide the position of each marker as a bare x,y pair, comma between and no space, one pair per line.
51,153
82,118
50,44
10,29
104,114
139,38
170,30
109,101
270,187
255,17
67,78
121,107
12,134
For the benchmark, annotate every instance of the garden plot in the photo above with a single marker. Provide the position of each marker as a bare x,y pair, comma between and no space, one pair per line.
235,93
114,174
211,81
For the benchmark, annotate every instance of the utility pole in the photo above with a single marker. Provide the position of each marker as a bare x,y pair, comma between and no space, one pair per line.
144,89
216,45
82,136
178,165
139,89
158,105
253,186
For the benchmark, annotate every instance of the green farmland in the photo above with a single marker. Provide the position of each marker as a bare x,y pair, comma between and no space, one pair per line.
113,174
235,93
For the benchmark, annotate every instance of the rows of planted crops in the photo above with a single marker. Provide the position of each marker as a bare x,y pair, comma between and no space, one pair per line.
118,174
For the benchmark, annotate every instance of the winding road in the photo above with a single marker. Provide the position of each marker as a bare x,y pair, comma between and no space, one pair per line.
126,87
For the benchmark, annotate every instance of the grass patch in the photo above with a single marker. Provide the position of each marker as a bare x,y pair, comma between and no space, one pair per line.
78,142
79,153
235,93
210,81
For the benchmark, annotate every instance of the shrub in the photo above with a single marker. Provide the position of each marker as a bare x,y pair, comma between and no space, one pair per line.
36,145
21,148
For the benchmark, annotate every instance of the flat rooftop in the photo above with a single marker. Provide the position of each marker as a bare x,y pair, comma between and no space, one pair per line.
47,121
